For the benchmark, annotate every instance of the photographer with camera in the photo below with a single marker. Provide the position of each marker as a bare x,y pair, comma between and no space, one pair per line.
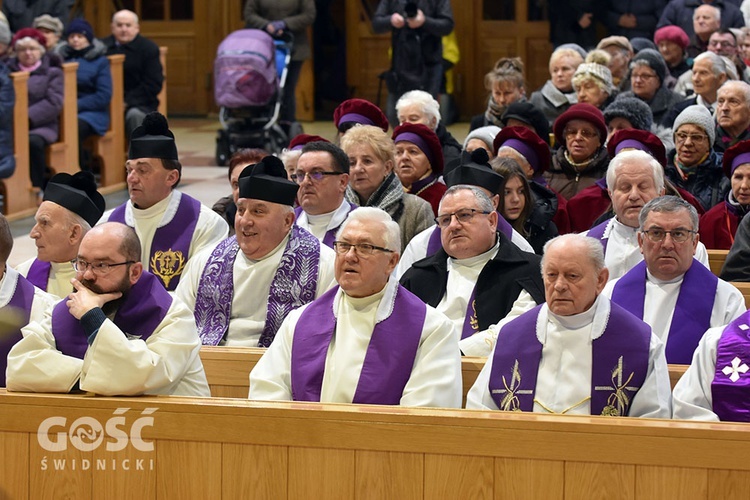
417,28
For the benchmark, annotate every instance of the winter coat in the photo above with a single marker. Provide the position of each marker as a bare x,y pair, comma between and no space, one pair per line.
21,13
566,180
46,97
661,103
297,14
647,14
719,225
7,101
552,102
142,72
708,183
680,13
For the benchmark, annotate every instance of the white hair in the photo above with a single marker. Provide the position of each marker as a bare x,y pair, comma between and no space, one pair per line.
718,63
289,154
715,9
424,100
391,233
594,250
737,85
635,156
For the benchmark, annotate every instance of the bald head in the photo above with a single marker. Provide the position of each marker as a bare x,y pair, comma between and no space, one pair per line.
120,237
125,26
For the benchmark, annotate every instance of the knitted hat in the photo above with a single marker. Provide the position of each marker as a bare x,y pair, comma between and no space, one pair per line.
78,194
32,33
634,110
5,35
527,144
653,59
673,34
425,139
48,22
529,114
697,115
353,111
474,169
637,139
580,111
597,71
485,134
267,181
737,155
153,139
300,140
639,43
82,27
617,41
573,46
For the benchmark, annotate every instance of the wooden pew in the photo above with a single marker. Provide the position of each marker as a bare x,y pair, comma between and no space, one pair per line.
228,370
221,448
743,287
19,200
62,155
163,94
716,260
109,147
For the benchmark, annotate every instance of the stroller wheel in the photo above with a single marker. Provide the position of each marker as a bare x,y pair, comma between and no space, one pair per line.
223,151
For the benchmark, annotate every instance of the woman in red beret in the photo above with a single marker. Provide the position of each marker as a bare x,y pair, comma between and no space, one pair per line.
419,162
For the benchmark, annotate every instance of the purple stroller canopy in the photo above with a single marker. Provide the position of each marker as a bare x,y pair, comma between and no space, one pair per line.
245,70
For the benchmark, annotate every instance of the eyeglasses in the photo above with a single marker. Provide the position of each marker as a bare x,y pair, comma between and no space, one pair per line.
587,134
681,137
463,216
100,268
361,249
299,176
678,235
645,76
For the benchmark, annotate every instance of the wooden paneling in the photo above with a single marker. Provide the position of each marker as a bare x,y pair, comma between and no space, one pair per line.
254,471
600,480
728,483
716,260
115,481
318,473
518,479
458,477
389,474
667,483
14,474
188,469
20,200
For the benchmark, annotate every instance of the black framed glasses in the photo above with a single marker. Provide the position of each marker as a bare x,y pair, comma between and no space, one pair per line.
361,249
678,235
100,268
463,216
299,176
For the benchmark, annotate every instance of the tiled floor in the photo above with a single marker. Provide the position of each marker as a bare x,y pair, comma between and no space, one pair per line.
196,143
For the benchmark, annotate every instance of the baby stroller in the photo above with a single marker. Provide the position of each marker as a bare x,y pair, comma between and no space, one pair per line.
249,74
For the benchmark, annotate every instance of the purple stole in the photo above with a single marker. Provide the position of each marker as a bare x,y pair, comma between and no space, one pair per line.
729,389
170,248
598,233
293,285
144,307
692,313
330,235
21,302
38,274
388,361
620,363
434,243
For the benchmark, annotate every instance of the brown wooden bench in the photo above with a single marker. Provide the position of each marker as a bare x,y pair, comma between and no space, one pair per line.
62,156
743,287
163,94
716,260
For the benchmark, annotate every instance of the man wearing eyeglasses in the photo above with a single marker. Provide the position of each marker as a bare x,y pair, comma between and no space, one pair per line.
478,274
675,294
368,340
119,333
242,288
322,174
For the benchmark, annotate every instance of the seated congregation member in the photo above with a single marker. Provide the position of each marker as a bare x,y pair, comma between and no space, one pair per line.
694,165
621,52
7,103
226,206
119,334
592,81
719,225
708,74
482,137
52,27
506,85
648,72
578,353
373,182
417,106
478,273
673,42
322,174
368,340
524,114
419,162
627,113
557,93
20,301
242,288
732,115
70,208
633,179
473,170
354,111
582,157
171,226
671,291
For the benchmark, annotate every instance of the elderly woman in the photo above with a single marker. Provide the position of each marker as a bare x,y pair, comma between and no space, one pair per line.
417,106
506,85
719,225
45,99
94,82
419,162
582,158
673,43
227,206
693,165
482,137
373,182
592,80
557,94
648,72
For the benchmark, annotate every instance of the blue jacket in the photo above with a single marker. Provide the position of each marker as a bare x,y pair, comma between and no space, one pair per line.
680,13
7,101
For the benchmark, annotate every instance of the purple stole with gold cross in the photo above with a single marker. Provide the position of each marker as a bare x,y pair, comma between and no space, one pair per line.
389,358
20,302
145,306
38,274
692,312
731,384
170,247
620,363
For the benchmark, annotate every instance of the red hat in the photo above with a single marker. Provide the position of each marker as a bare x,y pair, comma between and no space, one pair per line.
528,144
354,111
300,140
580,111
29,33
737,155
637,139
425,139
673,34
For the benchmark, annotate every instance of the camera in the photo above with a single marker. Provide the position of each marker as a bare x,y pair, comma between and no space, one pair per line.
410,9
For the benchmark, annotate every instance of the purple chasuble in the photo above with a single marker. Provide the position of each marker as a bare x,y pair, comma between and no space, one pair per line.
620,363
21,302
330,235
38,274
293,285
388,361
170,247
692,312
471,324
144,307
598,233
434,243
731,384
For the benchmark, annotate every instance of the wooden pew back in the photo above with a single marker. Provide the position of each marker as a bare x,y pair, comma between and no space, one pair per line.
163,94
716,260
743,287
62,155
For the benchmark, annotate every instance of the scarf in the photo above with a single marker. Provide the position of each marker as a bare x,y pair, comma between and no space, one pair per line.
494,112
389,196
